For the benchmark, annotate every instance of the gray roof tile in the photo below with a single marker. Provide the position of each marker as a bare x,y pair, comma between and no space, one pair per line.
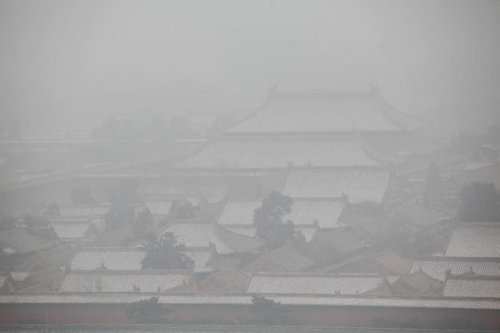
344,284
472,287
358,185
105,281
277,154
309,113
111,258
475,240
437,266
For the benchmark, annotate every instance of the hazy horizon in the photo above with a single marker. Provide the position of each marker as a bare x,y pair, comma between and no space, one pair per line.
71,62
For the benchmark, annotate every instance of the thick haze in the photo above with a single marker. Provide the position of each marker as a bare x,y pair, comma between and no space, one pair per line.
62,61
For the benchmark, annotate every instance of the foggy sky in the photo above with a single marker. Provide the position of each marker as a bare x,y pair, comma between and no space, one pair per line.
62,61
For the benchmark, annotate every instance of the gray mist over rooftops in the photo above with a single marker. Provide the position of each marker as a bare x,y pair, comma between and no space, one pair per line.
64,62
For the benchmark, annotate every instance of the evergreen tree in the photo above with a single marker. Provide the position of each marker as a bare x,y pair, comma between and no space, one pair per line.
268,220
143,222
165,253
147,311
269,312
182,209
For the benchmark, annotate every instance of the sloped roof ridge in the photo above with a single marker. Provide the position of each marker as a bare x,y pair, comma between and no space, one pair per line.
372,254
455,259
406,280
186,157
224,233
452,276
383,158
318,274
44,244
400,119
251,114
419,272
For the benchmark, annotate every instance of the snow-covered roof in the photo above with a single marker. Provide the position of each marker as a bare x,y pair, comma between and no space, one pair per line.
358,184
260,154
239,212
71,230
19,241
436,266
129,259
324,113
310,284
475,240
111,258
472,287
19,276
106,281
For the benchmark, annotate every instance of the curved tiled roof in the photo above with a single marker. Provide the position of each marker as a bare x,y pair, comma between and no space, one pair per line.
18,241
475,240
472,287
111,258
436,267
118,281
358,185
309,284
260,154
325,113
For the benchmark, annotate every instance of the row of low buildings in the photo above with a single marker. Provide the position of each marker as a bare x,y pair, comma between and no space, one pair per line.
471,254
362,287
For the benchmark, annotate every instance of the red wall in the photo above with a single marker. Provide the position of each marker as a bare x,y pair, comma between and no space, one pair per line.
64,314
310,316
